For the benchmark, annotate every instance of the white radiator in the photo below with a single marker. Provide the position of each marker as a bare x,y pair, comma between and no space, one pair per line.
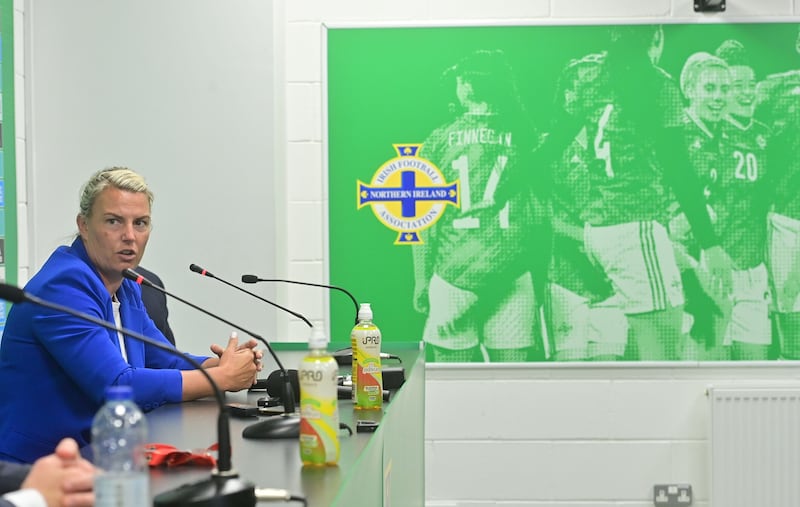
755,446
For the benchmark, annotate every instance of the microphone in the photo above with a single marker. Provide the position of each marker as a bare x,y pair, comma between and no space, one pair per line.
345,356
286,425
255,279
224,486
198,269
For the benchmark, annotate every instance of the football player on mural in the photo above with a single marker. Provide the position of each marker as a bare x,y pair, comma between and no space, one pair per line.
727,148
741,199
584,320
707,100
615,160
779,107
473,271
636,167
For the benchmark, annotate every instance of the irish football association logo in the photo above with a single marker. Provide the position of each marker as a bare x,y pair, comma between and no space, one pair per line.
408,194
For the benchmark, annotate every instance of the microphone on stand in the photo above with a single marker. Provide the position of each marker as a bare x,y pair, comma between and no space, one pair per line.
344,356
286,425
199,270
255,279
224,486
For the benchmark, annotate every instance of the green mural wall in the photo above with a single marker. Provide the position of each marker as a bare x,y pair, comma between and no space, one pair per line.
568,193
8,199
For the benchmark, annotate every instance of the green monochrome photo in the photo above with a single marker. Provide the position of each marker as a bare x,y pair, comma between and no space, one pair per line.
569,192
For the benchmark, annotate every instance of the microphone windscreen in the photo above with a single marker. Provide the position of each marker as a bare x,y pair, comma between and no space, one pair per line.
275,384
138,278
131,275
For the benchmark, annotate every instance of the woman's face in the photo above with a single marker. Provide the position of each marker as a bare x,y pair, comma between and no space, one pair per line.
464,91
115,233
743,91
708,95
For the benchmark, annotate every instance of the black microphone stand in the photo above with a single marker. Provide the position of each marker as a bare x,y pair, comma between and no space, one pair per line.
286,425
224,486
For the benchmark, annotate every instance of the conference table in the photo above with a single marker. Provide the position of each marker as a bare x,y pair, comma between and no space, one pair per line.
385,467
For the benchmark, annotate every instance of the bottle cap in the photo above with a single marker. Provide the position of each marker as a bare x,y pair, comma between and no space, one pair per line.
365,312
119,393
318,339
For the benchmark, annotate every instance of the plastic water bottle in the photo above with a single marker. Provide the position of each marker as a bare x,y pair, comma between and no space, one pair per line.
119,434
319,406
365,340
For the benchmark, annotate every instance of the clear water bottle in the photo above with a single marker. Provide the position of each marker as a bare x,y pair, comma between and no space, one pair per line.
119,435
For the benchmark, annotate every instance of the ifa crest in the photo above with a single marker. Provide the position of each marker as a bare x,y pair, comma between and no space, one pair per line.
408,194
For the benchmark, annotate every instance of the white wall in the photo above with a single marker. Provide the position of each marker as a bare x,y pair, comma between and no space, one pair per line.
571,435
182,92
180,88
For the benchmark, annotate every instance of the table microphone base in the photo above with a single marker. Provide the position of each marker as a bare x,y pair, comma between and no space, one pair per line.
276,426
211,492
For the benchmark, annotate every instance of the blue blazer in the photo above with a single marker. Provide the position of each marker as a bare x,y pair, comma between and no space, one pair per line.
54,367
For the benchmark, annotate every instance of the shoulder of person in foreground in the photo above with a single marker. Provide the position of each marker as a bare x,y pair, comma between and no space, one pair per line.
61,478
12,475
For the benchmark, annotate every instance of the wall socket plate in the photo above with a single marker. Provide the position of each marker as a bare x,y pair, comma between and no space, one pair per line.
672,495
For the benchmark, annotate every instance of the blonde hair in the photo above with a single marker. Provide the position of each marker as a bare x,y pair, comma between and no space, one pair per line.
695,65
116,177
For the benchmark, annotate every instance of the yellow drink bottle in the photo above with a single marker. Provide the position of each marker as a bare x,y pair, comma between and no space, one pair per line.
365,340
319,410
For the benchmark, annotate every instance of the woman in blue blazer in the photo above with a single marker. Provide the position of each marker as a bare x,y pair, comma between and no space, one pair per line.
54,367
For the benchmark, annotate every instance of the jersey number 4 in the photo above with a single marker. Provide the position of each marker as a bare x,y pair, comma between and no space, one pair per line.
602,147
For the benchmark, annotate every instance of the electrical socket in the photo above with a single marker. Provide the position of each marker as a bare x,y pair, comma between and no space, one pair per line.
672,495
